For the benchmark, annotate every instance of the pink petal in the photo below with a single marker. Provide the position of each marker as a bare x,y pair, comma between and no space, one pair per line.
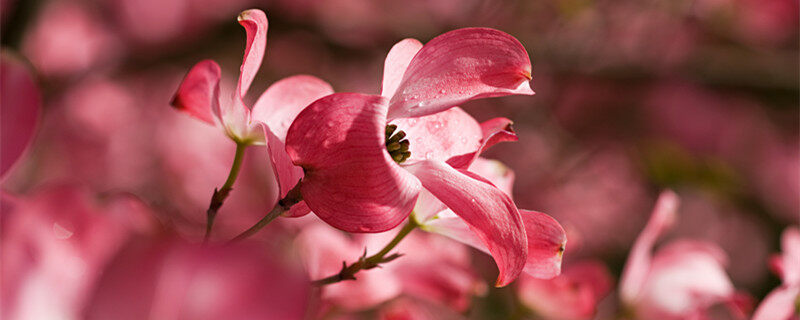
574,294
546,240
276,108
638,264
779,304
790,244
496,172
546,243
494,131
287,174
440,136
350,180
685,276
178,280
459,66
235,115
19,111
396,63
489,212
255,24
283,100
198,94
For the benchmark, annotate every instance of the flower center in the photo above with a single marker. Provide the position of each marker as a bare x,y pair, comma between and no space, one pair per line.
396,144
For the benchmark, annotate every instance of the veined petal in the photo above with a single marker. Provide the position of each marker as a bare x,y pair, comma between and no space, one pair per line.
440,136
255,24
350,180
396,63
283,100
19,111
489,213
638,265
459,66
198,94
546,240
495,171
494,131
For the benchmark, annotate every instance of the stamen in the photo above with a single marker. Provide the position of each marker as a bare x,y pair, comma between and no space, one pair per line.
396,144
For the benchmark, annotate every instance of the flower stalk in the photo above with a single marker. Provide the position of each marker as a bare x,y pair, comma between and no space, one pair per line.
219,195
283,205
373,261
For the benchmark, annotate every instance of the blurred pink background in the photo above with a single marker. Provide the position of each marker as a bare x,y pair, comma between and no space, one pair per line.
633,97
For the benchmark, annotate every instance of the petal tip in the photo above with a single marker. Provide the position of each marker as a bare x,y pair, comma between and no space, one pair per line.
247,14
527,75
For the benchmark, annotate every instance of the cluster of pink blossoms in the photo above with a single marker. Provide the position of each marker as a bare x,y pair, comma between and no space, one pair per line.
363,164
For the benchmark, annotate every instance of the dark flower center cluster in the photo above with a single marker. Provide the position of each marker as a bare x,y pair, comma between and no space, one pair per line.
396,144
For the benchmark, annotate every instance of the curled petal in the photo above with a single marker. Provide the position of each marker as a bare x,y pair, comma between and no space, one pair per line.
440,136
283,100
546,243
546,240
19,111
396,63
198,94
494,131
489,213
255,24
639,260
459,66
350,180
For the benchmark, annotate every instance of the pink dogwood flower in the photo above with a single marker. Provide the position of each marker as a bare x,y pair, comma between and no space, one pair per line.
19,112
271,115
682,280
782,303
362,175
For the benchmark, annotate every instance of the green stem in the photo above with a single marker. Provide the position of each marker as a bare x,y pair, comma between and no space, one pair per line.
276,212
219,195
365,263
283,205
